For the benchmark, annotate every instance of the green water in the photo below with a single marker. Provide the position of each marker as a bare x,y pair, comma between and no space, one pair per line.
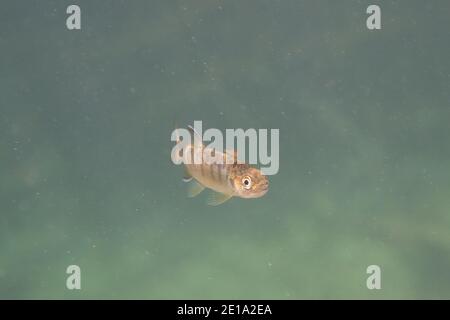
85,170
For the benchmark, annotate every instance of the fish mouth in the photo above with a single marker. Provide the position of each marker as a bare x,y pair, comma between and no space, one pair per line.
265,187
256,194
263,190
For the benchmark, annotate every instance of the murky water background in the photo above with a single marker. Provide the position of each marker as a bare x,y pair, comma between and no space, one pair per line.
85,171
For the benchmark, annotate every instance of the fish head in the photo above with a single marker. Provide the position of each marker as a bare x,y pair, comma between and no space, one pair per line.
250,183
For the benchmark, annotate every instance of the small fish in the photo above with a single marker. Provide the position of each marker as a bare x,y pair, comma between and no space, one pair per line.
227,179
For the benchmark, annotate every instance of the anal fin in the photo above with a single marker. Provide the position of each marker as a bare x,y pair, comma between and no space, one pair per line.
216,198
194,188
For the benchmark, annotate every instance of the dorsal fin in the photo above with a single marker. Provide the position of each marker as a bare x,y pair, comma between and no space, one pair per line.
232,154
194,133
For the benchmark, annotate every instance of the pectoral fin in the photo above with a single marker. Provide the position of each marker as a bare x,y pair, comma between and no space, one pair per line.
216,198
194,188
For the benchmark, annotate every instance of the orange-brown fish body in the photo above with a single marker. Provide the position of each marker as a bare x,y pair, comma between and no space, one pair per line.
213,176
227,177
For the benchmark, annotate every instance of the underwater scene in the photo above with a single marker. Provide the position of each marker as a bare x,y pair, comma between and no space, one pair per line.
356,97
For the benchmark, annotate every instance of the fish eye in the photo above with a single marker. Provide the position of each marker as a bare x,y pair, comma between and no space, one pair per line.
247,182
